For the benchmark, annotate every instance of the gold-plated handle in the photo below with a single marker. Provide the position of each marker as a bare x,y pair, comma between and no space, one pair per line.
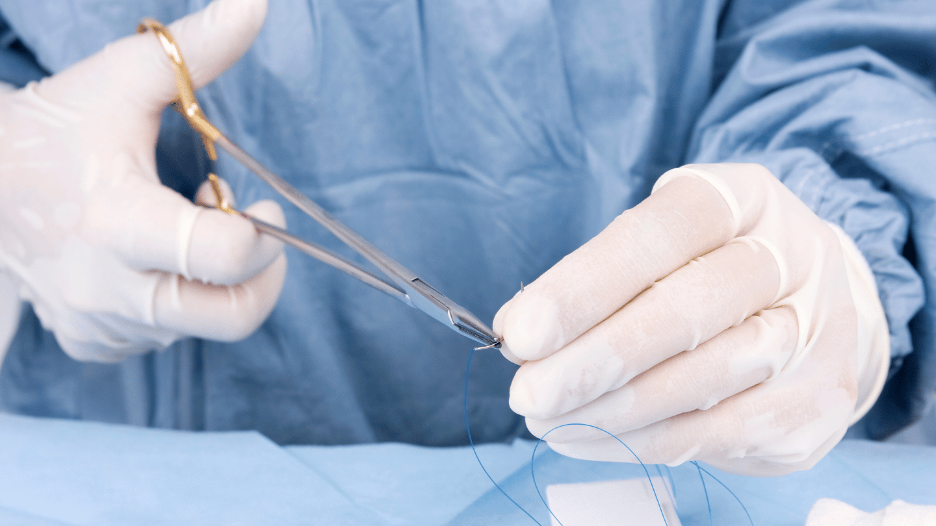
220,202
186,104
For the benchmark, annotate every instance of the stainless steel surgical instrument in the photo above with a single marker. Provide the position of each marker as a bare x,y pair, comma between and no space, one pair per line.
399,283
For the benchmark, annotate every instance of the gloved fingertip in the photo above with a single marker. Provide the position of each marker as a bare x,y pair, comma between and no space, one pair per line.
216,37
240,17
243,17
498,324
498,327
228,249
268,211
206,195
521,399
237,18
509,355
254,10
527,400
263,291
268,247
531,328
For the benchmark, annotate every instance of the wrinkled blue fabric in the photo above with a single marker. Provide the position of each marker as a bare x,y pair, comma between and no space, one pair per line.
864,474
65,472
478,143
61,472
17,64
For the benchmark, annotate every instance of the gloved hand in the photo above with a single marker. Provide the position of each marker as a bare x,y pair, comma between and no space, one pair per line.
113,262
718,320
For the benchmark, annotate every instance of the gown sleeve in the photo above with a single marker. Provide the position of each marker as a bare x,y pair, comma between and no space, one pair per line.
837,100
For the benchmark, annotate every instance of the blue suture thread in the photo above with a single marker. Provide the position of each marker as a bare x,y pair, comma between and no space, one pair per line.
646,472
471,441
722,484
533,472
705,489
533,458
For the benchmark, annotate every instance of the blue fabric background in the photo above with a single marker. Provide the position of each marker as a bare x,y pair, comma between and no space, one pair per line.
58,472
478,143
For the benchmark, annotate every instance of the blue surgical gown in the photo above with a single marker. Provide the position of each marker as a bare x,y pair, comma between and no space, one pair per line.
478,143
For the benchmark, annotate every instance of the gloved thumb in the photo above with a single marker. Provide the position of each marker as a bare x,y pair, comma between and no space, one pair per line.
136,70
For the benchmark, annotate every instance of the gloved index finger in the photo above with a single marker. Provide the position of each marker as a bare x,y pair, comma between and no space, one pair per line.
154,228
136,71
682,220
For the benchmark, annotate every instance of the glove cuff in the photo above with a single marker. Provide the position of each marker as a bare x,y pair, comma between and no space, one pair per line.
873,335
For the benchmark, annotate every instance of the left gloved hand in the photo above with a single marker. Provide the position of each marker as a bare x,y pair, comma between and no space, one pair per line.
113,262
719,320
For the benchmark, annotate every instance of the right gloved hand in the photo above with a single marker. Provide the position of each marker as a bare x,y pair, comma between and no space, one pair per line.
719,320
114,262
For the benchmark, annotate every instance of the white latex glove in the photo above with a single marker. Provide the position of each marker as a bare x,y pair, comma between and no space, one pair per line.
830,512
114,262
718,320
